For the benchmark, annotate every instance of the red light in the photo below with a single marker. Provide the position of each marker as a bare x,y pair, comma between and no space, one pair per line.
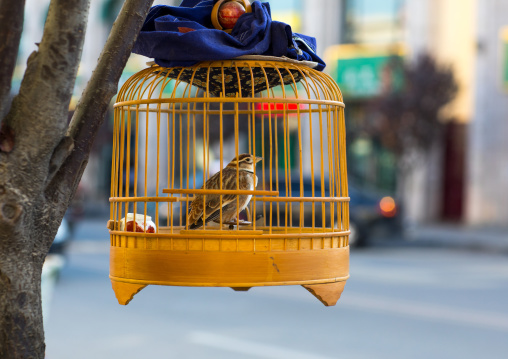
388,207
278,107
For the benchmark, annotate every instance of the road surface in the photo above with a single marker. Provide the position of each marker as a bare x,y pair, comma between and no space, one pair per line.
402,301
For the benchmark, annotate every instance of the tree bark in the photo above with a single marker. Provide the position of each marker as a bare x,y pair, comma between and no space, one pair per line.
11,26
42,158
21,334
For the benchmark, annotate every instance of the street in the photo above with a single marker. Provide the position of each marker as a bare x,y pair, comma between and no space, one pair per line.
402,301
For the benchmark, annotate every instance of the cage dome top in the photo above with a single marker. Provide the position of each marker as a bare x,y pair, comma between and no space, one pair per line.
238,78
185,35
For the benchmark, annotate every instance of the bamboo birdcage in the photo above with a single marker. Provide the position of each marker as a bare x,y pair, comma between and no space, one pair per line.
176,127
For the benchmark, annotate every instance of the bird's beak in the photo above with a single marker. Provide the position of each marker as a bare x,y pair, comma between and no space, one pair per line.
259,159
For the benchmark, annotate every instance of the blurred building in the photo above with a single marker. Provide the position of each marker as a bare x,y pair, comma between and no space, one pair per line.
437,28
469,36
487,169
465,178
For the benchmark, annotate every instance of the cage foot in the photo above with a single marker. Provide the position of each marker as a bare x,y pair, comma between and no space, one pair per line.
241,289
124,292
327,293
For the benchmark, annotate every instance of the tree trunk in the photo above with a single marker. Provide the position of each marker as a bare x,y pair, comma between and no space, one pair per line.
41,157
27,229
21,331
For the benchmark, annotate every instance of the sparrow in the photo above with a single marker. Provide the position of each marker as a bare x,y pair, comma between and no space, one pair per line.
247,181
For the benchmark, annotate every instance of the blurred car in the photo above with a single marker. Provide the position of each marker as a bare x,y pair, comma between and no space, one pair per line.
373,214
370,213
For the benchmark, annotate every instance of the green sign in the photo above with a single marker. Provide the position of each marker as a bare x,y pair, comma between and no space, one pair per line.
363,77
504,51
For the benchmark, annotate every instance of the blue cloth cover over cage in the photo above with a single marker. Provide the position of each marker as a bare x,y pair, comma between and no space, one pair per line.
162,38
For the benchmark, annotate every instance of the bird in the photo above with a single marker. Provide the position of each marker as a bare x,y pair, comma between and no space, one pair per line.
247,181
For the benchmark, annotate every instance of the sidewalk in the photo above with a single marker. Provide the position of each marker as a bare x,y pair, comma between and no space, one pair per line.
490,239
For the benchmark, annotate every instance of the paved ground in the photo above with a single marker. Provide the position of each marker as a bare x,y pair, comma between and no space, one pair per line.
485,239
403,300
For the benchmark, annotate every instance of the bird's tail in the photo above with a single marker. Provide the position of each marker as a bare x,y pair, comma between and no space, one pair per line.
196,225
199,222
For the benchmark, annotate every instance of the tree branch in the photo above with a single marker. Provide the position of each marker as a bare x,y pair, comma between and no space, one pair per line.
101,88
38,115
11,27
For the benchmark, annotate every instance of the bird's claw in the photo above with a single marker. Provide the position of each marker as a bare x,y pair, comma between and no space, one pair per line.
241,222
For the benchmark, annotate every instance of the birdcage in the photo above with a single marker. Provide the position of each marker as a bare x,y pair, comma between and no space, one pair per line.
174,128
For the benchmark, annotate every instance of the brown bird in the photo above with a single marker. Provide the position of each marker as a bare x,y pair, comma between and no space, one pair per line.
247,181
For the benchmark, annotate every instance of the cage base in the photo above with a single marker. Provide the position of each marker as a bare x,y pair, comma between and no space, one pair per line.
323,270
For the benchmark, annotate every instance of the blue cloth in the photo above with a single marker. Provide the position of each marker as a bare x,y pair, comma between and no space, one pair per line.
254,34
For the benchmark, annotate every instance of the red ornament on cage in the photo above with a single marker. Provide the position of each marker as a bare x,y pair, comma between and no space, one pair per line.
226,13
